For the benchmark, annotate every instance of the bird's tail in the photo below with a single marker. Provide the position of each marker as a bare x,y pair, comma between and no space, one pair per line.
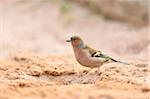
119,61
111,59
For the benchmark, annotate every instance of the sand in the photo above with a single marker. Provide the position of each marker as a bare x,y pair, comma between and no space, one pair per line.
61,77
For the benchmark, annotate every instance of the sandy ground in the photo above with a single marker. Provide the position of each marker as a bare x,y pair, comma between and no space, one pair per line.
32,76
36,62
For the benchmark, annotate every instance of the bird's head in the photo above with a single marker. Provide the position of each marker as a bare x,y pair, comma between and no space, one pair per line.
76,41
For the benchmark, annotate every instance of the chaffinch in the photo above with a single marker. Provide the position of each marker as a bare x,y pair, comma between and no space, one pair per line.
87,56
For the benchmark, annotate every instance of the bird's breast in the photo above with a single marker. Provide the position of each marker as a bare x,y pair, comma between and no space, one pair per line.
85,59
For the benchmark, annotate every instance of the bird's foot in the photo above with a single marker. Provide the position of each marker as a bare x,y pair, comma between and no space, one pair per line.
85,71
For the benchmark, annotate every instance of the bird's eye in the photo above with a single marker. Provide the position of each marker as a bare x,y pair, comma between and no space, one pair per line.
73,39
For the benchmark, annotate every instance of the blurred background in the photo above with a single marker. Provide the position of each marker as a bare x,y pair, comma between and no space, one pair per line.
116,27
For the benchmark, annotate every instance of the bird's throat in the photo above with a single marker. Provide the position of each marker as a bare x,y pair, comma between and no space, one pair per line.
81,45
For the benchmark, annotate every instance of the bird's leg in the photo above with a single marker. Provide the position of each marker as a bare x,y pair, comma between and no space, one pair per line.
98,71
88,72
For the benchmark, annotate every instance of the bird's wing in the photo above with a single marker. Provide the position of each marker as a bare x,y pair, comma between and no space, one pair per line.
107,58
99,54
92,51
96,54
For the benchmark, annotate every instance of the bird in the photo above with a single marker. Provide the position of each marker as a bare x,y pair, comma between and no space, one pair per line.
88,56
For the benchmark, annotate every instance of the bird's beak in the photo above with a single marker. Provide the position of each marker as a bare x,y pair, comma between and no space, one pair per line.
68,40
